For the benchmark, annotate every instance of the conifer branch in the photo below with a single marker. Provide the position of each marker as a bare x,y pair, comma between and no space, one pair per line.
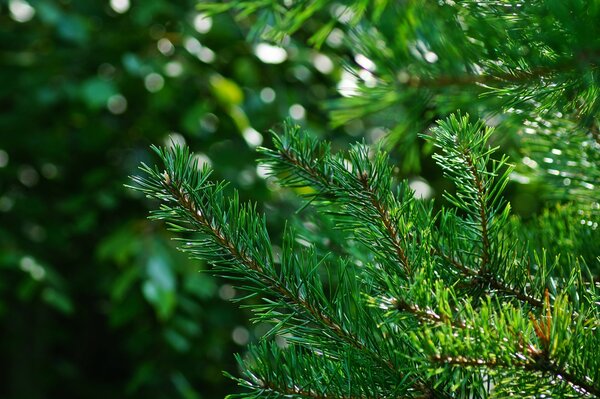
308,165
298,391
183,199
416,309
273,283
545,367
515,351
204,219
510,77
300,161
194,207
391,230
426,315
311,394
195,212
574,381
298,371
499,286
477,278
483,211
466,154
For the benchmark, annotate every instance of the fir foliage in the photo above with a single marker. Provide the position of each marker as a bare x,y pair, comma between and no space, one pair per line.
466,301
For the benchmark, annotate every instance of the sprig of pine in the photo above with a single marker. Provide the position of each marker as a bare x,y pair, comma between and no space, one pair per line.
449,304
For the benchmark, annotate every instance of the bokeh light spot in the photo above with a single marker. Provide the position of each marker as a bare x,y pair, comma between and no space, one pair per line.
365,62
173,69
270,54
421,188
227,292
117,104
174,139
323,63
120,6
154,82
297,111
431,57
267,95
252,137
3,158
240,335
165,46
35,270
6,203
202,23
335,38
49,171
206,55
202,160
20,10
348,84
28,176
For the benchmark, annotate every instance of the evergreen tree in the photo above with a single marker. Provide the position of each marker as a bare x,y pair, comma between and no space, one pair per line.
412,299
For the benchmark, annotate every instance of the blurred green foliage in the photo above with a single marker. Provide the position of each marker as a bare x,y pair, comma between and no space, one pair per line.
94,300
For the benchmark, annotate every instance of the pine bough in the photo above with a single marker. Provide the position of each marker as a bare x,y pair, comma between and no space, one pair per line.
463,302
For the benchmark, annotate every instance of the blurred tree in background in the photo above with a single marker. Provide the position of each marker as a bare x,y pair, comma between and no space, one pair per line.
94,301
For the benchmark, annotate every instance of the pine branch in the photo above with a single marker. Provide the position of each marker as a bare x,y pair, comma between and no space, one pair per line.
567,156
317,314
389,323
524,343
299,164
299,372
298,392
545,368
483,211
390,228
493,78
464,159
363,187
197,208
477,278
190,200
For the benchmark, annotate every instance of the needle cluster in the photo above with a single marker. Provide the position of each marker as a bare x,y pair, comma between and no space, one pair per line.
467,301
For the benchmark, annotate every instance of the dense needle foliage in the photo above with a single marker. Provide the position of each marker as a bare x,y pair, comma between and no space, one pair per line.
409,298
448,303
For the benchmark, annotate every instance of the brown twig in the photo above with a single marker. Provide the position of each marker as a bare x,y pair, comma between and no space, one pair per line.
483,212
390,228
